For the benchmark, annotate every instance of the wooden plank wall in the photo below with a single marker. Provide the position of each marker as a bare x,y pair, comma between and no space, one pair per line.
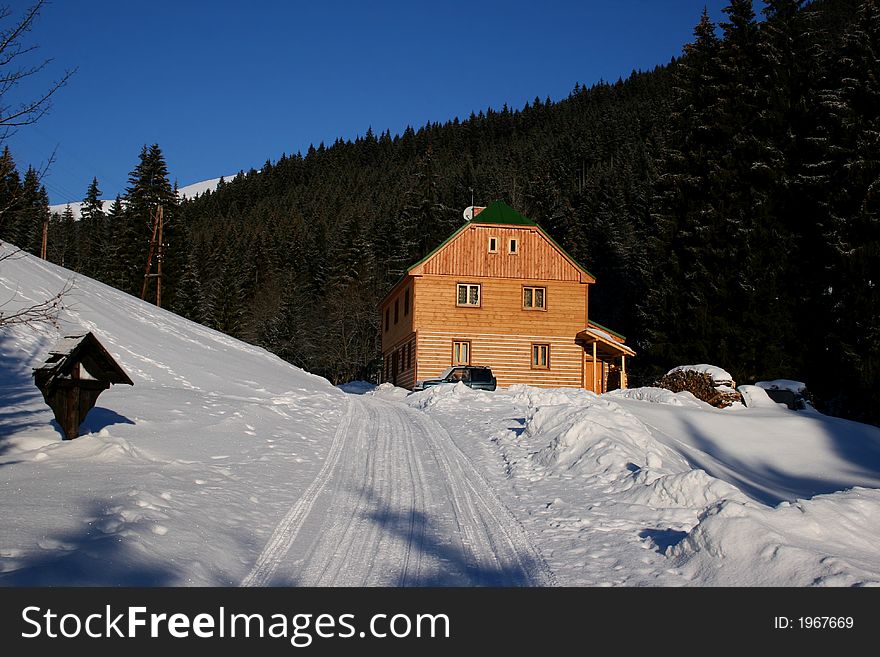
500,308
467,255
509,356
404,325
406,376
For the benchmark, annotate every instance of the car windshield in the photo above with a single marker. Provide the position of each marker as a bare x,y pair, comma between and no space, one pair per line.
459,374
445,373
481,375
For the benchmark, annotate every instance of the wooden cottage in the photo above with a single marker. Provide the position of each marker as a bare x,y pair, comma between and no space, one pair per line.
499,292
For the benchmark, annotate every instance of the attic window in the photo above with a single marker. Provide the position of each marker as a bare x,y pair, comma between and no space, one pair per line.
493,245
513,247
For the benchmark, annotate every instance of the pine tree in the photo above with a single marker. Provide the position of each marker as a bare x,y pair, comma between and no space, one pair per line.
31,213
10,195
148,189
113,268
92,231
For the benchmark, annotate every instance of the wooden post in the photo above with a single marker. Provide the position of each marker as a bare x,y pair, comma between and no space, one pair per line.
623,372
157,248
45,240
159,263
595,387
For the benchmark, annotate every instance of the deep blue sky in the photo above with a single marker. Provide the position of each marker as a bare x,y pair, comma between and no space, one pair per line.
223,86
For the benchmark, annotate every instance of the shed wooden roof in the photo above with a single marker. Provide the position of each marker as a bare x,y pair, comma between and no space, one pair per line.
85,349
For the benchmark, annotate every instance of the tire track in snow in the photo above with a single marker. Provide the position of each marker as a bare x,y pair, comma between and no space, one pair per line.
514,549
393,474
286,530
379,484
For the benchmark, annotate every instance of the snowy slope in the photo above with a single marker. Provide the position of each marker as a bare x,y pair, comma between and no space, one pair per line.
190,191
188,469
224,465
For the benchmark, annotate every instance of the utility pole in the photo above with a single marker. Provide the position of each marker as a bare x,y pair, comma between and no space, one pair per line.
155,247
45,239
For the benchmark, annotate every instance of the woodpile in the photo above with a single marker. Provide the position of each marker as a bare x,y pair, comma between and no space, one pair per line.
702,386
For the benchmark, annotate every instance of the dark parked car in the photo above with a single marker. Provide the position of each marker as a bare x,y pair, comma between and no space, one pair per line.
478,378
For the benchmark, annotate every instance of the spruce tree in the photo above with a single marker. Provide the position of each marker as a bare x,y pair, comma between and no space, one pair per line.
10,195
92,231
148,188
31,213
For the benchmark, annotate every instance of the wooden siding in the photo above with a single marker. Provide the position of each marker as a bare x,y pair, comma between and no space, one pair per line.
405,374
508,355
468,255
500,308
404,326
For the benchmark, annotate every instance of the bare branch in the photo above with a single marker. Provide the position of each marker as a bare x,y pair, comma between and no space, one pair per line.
44,312
12,49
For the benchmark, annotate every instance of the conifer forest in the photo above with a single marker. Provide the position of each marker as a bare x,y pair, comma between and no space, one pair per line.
727,202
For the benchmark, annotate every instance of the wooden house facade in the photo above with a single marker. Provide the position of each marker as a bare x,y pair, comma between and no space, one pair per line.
499,292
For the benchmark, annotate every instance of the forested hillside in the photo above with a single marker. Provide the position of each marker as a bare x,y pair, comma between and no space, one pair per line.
727,203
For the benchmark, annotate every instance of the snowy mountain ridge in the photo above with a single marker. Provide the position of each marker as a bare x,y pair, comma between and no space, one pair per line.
190,191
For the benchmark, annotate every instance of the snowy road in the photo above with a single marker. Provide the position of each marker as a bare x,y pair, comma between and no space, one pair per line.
396,503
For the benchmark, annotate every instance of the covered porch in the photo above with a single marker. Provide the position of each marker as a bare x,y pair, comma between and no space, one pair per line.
605,355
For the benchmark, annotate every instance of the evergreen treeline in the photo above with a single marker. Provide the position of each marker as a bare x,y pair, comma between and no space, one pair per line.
727,204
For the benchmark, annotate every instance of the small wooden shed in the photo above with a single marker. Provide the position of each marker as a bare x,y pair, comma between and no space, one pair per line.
77,370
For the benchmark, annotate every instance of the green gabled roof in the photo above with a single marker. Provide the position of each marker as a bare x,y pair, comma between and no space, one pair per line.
497,212
501,213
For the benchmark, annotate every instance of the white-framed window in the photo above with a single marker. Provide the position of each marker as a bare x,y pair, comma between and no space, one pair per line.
467,294
534,298
540,356
513,246
461,352
493,245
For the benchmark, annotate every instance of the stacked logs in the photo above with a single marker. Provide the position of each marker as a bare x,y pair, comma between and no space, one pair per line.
702,386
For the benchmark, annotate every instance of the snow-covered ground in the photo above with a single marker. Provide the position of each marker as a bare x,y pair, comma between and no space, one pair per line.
224,465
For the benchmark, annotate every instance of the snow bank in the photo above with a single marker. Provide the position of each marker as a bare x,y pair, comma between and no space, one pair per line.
719,376
388,391
659,396
755,397
534,397
447,395
598,438
691,489
788,545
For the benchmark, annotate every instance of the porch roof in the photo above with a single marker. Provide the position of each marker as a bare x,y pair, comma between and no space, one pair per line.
606,343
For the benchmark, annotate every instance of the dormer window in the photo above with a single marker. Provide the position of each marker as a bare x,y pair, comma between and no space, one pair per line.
513,246
493,245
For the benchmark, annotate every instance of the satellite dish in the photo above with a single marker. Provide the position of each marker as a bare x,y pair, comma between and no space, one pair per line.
468,213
